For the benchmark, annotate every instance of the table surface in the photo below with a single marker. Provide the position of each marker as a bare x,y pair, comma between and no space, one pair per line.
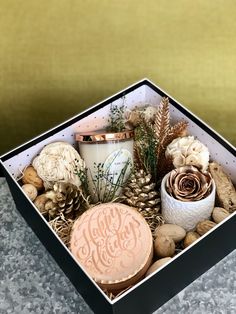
31,281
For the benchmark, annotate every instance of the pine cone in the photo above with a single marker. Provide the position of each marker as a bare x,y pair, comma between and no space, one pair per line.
64,198
140,193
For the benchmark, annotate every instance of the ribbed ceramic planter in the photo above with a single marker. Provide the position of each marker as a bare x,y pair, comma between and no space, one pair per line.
185,214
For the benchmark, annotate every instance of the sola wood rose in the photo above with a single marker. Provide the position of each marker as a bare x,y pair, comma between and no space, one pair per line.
188,151
57,162
188,184
188,196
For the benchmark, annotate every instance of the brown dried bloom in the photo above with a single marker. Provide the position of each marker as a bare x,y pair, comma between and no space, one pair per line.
188,184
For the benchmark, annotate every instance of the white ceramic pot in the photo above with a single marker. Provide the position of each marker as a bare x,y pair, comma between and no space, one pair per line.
186,214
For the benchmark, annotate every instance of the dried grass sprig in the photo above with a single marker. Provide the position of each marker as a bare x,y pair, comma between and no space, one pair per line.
62,227
112,296
153,219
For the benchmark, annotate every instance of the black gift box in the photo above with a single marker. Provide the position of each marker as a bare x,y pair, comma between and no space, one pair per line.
150,293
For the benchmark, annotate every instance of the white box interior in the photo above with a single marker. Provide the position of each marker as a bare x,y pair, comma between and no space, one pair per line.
99,119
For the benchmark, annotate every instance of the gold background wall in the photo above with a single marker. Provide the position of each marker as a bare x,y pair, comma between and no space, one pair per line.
57,57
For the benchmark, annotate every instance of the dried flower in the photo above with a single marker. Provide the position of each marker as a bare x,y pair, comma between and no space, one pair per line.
116,121
188,184
188,151
133,117
57,162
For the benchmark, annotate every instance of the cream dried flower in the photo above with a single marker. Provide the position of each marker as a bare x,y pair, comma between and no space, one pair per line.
132,117
57,162
188,151
188,184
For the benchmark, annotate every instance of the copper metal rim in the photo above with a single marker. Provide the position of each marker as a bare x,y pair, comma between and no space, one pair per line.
103,136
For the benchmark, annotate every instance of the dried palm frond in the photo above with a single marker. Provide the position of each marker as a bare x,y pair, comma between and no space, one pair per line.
152,138
165,134
177,130
162,120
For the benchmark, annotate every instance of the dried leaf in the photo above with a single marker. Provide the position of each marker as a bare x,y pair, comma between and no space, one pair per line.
177,130
165,165
166,136
162,119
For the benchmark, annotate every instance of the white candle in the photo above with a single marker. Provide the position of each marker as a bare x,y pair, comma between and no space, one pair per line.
108,158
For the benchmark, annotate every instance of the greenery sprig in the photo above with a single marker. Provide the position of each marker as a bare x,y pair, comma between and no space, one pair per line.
102,184
145,148
116,120
152,138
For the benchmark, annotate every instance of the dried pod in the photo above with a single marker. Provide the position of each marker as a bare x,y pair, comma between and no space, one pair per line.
30,191
30,176
164,246
132,119
175,232
157,265
219,214
225,190
204,226
40,202
191,237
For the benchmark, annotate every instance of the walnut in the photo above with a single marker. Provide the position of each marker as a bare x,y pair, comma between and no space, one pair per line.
30,190
30,176
204,226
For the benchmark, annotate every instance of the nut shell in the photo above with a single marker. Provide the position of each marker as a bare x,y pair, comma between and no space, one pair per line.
204,226
30,176
175,232
40,202
157,265
191,237
219,214
30,190
164,246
